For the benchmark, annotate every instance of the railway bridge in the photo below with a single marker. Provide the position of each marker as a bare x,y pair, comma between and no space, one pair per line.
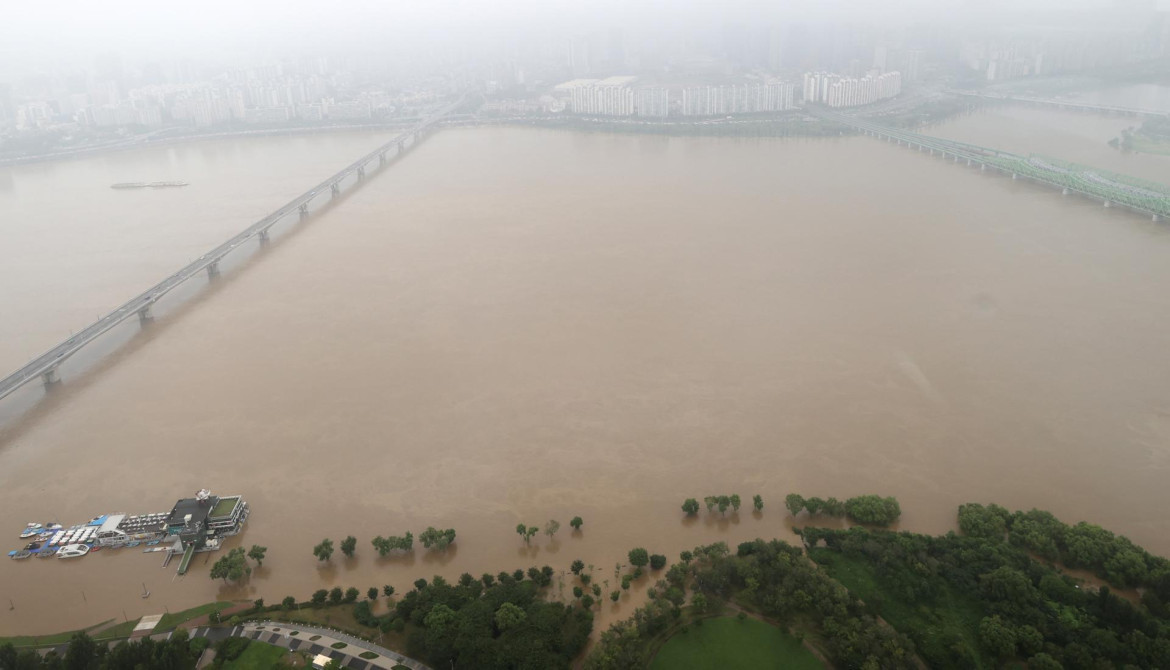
45,367
1111,189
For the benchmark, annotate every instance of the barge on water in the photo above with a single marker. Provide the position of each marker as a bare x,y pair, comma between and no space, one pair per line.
193,525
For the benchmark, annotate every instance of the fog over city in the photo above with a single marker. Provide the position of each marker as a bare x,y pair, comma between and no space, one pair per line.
648,320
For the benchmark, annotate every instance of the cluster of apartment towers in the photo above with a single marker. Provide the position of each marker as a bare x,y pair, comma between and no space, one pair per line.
620,96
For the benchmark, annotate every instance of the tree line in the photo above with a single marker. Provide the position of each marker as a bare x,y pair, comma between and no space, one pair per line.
431,538
722,503
868,509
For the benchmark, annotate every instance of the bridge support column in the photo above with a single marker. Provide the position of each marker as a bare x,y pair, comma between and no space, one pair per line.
983,167
264,238
1108,204
361,172
1155,218
401,147
968,162
51,379
144,315
1064,191
1013,175
304,210
334,189
381,160
213,270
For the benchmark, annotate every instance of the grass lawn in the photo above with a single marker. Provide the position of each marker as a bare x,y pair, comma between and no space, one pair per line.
726,643
258,656
933,626
114,632
173,619
45,640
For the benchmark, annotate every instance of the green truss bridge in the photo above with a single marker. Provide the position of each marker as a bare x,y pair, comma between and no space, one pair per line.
1114,190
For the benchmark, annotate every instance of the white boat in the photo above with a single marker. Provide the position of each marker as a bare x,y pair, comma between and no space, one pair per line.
73,551
31,530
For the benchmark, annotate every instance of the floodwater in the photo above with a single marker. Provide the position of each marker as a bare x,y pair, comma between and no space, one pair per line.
514,325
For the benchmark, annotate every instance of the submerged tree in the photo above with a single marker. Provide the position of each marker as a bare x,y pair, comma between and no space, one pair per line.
691,506
256,553
576,523
232,566
758,502
439,539
324,550
551,528
348,545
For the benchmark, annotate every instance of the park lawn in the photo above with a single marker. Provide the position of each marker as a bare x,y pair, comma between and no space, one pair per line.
173,619
118,631
931,625
726,643
258,656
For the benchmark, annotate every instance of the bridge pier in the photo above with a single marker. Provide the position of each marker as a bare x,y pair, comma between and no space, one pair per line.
213,270
304,210
1064,191
1013,175
334,190
401,147
361,172
381,159
983,167
51,379
1155,218
1108,204
264,239
144,316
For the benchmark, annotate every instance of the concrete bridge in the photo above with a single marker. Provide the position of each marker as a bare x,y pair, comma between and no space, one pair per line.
1111,189
1070,105
45,366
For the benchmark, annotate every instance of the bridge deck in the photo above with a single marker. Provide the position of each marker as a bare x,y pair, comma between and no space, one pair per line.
48,362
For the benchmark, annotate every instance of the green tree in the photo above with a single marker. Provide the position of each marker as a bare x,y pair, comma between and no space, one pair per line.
657,562
256,553
324,550
587,602
372,593
735,502
710,502
691,506
997,637
873,509
814,505
699,603
686,556
319,597
348,545
439,539
577,566
639,557
723,502
387,590
626,581
527,532
794,502
615,595
578,591
551,528
351,594
232,566
576,523
758,502
288,603
336,595
509,616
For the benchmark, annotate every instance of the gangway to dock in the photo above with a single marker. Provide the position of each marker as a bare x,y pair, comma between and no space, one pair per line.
186,562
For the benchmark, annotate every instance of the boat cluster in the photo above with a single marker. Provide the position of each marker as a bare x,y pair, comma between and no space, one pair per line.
49,540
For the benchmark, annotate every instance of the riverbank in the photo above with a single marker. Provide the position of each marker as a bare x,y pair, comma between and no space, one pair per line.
170,140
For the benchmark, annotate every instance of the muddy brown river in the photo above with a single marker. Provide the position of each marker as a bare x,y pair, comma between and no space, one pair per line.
513,325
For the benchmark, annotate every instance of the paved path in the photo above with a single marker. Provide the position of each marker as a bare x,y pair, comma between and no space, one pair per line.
278,633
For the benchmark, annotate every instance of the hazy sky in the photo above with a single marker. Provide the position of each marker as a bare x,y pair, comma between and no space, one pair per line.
62,33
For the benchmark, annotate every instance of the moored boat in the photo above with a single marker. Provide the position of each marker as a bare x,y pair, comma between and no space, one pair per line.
73,551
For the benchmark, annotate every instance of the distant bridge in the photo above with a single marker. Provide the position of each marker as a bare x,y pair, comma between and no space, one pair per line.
1065,104
44,367
1112,189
